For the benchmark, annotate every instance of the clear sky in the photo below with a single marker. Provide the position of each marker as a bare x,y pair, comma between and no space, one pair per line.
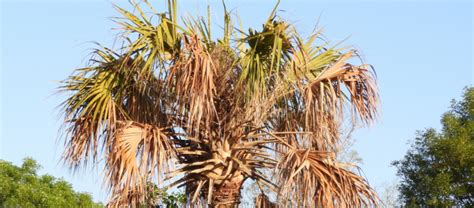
422,52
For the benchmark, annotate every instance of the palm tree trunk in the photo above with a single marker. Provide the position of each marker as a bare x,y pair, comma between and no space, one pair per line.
227,195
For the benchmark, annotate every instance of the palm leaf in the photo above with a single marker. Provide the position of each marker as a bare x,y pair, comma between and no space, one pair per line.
312,178
139,154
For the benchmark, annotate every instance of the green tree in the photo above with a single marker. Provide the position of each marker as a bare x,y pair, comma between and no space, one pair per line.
162,197
438,170
23,187
179,107
172,200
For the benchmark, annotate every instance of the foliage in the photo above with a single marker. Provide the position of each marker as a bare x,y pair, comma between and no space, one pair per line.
157,196
389,195
438,171
23,187
172,200
177,107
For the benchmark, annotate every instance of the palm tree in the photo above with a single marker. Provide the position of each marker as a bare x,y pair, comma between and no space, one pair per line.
175,107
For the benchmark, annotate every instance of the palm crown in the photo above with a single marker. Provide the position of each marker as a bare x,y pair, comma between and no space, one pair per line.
175,107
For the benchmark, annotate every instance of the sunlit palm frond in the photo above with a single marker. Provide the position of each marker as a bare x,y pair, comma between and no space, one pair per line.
265,54
319,89
194,76
342,88
262,201
139,154
311,178
155,45
91,109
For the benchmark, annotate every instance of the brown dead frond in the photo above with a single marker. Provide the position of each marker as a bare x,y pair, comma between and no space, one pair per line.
340,86
90,112
139,153
311,178
194,74
262,201
316,101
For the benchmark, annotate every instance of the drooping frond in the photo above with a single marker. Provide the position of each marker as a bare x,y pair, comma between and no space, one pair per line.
311,178
262,201
139,154
314,96
104,115
91,110
194,76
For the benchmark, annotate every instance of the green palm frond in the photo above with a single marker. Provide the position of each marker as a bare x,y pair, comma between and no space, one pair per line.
155,45
91,109
265,54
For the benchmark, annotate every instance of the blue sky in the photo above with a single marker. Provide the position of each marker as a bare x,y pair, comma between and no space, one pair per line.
422,52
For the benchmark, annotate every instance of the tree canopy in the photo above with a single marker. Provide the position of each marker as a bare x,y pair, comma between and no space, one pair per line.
176,106
23,187
438,170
